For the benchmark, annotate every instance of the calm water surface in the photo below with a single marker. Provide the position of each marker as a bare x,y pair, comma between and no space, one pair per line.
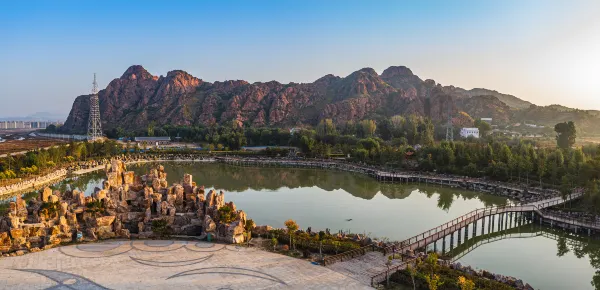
548,259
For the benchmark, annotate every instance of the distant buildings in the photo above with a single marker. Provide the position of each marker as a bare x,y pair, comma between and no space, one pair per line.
153,141
534,126
469,132
5,125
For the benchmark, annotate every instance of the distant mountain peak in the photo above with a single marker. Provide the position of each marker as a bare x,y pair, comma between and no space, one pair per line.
136,72
394,71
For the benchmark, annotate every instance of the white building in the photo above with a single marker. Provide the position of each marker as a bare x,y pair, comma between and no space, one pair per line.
294,130
469,132
487,120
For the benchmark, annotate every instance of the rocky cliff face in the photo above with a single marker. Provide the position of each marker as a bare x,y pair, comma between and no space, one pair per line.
139,98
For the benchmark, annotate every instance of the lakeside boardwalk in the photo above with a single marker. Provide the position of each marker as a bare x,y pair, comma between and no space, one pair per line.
371,267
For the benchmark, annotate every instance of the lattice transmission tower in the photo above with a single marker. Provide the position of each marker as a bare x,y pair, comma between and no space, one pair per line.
94,129
449,126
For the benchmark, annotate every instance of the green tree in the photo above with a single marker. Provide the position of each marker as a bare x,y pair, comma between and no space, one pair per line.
565,187
326,128
368,128
483,126
274,243
566,134
151,129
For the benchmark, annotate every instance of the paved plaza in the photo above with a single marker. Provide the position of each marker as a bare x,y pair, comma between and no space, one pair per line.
151,264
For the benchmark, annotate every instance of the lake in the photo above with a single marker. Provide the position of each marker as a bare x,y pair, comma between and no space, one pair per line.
355,203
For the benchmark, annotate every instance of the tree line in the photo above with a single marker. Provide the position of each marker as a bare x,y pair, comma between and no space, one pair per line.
37,161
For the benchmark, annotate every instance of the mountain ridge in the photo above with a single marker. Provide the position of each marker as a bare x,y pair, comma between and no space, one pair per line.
138,98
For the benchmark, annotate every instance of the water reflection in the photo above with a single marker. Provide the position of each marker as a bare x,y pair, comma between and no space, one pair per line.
547,258
320,198
239,179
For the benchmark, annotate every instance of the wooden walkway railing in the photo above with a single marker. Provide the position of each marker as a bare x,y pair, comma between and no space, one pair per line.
348,255
427,237
380,277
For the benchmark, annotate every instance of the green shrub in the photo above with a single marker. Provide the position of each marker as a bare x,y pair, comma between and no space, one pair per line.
160,228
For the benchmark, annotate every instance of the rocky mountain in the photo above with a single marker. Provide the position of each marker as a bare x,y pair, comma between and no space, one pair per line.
586,120
138,98
510,100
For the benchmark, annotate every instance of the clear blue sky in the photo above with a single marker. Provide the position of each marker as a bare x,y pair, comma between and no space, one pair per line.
543,51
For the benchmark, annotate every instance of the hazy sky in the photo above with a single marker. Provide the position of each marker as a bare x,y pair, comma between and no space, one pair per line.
542,51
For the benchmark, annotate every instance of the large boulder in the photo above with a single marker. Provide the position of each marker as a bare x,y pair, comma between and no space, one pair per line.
5,242
208,224
79,197
105,232
262,230
46,193
123,233
105,221
128,177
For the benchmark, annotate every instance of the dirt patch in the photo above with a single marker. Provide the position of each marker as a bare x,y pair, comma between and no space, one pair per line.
14,146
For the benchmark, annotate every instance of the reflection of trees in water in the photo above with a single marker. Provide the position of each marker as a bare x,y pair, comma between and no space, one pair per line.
561,245
234,178
581,246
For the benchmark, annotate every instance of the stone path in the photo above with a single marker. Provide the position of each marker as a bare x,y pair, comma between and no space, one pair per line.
165,265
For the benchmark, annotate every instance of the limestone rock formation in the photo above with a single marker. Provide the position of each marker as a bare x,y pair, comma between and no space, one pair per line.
127,207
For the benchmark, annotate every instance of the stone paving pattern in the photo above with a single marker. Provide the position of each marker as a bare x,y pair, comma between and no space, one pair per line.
165,265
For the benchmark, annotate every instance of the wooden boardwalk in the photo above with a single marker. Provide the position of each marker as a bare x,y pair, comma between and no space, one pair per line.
362,267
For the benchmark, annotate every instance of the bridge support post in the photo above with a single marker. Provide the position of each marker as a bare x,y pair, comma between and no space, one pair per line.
458,234
443,245
589,232
492,223
435,246
507,221
483,226
451,241
500,223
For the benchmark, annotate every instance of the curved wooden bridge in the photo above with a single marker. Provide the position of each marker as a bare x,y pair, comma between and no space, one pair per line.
370,265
